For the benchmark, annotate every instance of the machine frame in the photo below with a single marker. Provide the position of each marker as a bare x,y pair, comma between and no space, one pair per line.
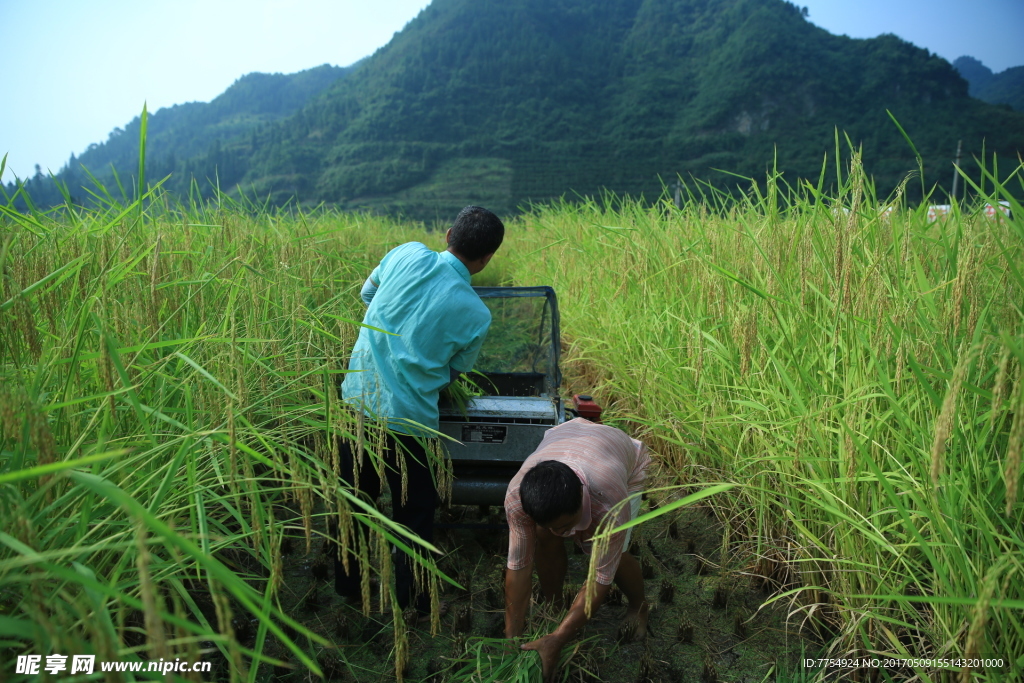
491,438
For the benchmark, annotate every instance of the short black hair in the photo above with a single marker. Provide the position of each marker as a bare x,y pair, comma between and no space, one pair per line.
476,233
549,490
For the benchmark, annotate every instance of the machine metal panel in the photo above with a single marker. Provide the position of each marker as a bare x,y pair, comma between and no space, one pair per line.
481,408
481,433
483,485
494,442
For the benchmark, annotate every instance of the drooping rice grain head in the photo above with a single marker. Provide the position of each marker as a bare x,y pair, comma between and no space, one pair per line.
404,472
382,552
232,452
441,465
971,294
975,643
363,555
255,504
944,423
154,306
901,363
276,560
435,604
360,444
150,597
306,503
599,547
999,388
963,271
749,340
1013,468
225,624
401,641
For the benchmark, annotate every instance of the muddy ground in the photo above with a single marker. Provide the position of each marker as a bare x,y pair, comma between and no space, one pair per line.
707,621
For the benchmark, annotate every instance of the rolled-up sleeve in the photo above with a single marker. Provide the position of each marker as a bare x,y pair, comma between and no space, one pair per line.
370,286
521,537
638,472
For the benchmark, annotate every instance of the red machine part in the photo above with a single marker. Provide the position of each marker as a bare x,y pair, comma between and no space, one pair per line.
586,407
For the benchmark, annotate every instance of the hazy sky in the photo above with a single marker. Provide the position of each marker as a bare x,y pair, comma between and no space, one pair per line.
75,69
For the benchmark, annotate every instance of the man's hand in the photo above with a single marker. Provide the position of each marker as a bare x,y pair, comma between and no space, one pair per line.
550,648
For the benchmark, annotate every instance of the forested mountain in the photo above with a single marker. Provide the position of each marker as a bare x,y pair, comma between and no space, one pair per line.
524,100
186,140
1005,87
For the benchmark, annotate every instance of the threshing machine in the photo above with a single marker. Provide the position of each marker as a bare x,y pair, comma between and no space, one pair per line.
518,375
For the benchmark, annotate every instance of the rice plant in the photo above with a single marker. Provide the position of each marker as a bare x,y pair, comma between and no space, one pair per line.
459,393
169,409
857,374
168,414
498,660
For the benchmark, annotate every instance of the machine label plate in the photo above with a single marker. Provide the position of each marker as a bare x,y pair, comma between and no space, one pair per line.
476,433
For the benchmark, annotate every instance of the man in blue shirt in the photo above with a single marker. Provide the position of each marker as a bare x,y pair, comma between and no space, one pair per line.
437,324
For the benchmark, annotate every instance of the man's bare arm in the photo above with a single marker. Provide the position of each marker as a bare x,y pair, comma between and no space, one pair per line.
577,616
518,583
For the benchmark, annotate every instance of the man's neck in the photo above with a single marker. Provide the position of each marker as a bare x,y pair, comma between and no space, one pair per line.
473,267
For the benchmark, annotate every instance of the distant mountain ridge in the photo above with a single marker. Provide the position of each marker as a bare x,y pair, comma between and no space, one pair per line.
186,139
506,103
532,99
1005,87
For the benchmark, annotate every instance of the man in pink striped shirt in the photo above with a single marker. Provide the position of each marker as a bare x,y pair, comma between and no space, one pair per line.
580,473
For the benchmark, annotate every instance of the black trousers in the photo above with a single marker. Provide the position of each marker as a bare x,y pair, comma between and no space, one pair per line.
417,513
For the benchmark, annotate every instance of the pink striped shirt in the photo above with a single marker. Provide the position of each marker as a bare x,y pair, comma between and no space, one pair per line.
611,466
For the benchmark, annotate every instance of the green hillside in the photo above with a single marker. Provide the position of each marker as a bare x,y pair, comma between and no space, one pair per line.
529,100
1005,87
506,103
186,140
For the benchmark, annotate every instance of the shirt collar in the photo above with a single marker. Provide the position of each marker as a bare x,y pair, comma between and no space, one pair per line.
458,265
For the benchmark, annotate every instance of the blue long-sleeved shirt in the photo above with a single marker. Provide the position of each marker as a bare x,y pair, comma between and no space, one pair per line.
438,323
